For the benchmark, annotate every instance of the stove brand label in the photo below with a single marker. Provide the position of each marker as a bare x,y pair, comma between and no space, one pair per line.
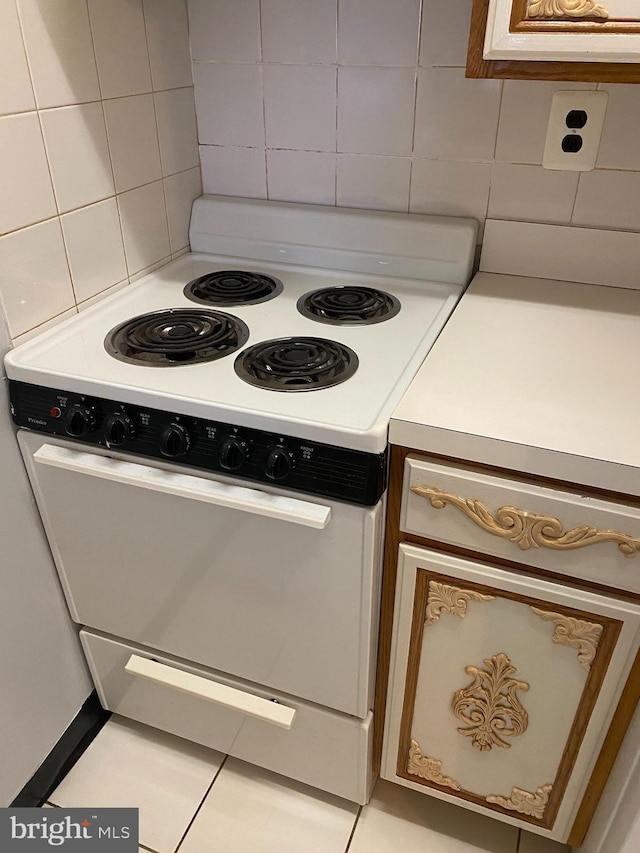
81,830
37,421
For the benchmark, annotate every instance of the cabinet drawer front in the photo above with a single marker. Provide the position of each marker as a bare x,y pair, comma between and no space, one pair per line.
328,750
502,687
564,532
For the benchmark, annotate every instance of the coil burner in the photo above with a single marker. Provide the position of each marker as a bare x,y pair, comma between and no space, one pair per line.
233,287
348,306
296,364
176,336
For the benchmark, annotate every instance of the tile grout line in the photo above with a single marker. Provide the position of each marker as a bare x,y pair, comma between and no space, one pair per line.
353,829
197,811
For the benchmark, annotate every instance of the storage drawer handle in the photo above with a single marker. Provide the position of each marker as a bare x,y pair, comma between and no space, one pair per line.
528,529
186,486
212,691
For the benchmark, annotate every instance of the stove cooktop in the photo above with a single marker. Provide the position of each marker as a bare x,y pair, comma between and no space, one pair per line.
227,356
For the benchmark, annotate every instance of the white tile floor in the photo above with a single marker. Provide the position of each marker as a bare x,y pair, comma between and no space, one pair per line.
195,800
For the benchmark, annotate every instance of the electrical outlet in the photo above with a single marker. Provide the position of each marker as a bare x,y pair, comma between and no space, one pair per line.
575,127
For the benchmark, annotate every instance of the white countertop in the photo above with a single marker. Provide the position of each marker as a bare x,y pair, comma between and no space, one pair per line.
536,376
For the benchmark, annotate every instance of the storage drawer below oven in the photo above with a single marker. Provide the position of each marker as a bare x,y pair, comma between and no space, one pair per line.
323,748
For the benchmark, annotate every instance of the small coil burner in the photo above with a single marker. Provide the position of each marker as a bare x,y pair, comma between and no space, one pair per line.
296,364
232,287
348,306
176,336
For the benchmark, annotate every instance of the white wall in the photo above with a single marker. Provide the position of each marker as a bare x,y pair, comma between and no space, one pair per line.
364,103
42,670
98,151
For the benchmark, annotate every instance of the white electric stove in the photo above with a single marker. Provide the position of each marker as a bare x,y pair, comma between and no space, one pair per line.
207,449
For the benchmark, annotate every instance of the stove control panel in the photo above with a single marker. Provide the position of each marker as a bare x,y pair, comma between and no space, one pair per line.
257,455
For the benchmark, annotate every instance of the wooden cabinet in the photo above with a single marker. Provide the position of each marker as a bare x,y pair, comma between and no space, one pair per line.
552,39
511,680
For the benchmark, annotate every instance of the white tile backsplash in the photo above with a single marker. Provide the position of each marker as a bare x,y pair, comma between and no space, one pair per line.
60,51
226,30
229,104
34,276
450,189
618,145
456,118
144,226
376,32
133,140
121,47
76,143
16,91
375,110
25,184
299,31
95,249
303,176
300,107
608,200
58,141
234,171
522,192
445,33
180,192
381,183
177,131
167,28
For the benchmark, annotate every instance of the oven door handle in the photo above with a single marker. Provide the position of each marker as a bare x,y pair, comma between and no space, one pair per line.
248,704
185,486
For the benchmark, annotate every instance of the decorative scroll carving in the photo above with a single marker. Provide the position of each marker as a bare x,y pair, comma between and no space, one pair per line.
524,802
428,768
489,706
444,598
566,9
528,529
577,633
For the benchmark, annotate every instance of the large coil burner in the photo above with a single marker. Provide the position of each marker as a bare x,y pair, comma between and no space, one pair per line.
176,336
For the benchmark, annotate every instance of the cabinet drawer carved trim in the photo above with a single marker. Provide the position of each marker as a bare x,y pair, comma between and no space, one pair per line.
528,529
565,9
524,802
428,768
577,633
489,706
444,598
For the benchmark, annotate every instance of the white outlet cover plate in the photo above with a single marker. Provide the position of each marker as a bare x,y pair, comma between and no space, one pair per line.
595,105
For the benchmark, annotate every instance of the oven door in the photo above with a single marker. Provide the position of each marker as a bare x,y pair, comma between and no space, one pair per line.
263,584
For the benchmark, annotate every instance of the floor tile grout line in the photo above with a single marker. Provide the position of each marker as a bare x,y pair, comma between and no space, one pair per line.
353,829
202,801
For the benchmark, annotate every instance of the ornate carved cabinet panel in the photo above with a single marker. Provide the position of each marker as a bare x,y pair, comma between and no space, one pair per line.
502,687
597,40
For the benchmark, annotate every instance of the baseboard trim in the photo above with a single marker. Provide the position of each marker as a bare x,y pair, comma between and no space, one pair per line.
81,731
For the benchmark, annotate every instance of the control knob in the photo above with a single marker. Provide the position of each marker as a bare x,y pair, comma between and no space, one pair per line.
279,462
118,429
175,441
233,453
79,420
